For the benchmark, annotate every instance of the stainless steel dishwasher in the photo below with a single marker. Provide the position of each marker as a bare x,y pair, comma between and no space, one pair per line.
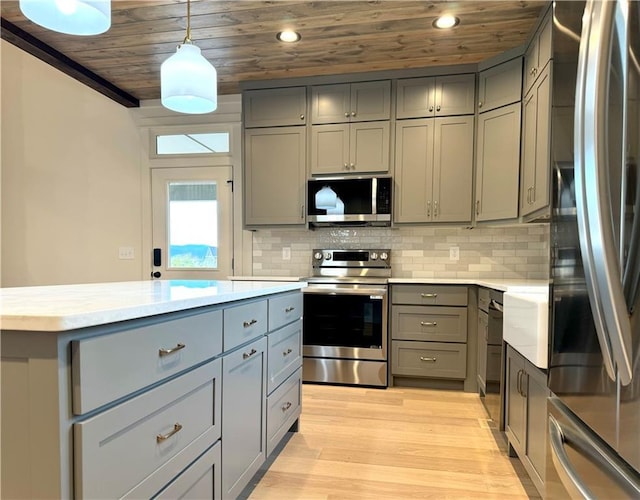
491,354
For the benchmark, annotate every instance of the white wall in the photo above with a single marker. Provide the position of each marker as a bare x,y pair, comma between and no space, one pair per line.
71,179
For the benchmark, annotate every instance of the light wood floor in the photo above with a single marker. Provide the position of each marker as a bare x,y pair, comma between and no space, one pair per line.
357,443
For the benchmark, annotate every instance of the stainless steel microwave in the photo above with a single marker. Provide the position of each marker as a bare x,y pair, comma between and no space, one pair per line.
347,201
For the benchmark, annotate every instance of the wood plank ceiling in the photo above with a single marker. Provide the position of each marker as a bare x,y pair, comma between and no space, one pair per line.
238,37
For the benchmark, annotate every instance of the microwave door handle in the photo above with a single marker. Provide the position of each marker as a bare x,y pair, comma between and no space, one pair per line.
582,218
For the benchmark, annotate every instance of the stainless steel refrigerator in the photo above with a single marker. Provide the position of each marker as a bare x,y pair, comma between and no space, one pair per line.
593,444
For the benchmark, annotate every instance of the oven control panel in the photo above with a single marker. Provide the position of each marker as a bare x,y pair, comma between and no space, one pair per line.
352,258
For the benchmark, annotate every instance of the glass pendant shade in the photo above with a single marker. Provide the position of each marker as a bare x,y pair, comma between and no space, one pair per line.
326,198
72,17
188,82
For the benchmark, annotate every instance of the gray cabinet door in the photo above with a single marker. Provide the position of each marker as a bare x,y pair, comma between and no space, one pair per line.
274,107
537,393
414,170
534,184
275,176
455,95
330,149
452,169
369,147
498,164
538,54
243,415
483,331
330,103
515,418
415,97
500,85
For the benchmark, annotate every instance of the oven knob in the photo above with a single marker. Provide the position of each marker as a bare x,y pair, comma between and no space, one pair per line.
327,256
317,255
373,256
384,256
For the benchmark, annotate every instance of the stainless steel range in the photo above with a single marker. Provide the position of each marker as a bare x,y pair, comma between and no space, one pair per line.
345,317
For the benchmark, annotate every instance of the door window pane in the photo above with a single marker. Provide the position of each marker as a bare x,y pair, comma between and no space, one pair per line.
192,143
193,225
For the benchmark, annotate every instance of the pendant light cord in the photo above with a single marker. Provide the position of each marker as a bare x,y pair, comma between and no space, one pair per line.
187,39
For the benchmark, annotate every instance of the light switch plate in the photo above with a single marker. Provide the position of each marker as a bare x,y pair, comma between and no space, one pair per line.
126,253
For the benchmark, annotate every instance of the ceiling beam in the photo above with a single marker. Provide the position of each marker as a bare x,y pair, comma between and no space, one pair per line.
23,40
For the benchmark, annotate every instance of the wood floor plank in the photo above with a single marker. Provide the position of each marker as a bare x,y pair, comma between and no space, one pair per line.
357,443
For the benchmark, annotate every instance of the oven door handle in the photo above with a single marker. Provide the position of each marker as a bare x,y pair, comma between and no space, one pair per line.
347,291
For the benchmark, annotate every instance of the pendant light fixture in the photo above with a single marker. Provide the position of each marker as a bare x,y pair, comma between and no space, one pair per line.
188,82
72,17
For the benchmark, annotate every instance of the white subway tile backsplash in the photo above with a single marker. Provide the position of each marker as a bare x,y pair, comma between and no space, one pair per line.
417,252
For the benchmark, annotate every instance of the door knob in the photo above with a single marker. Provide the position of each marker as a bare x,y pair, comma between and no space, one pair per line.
156,274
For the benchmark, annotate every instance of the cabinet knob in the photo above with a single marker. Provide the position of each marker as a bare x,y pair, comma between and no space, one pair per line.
352,165
532,71
346,115
428,209
302,117
346,165
353,113
438,108
430,108
480,104
435,208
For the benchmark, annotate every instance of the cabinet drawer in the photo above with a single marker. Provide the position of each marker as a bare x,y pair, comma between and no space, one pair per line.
244,323
111,366
200,480
428,323
429,359
285,354
284,310
442,295
283,408
117,449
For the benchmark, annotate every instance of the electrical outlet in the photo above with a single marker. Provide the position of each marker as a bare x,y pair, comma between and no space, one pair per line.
286,253
454,253
126,253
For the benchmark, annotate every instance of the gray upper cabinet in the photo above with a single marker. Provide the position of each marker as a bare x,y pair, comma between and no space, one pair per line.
498,163
351,102
274,107
538,54
275,176
435,96
500,85
535,164
350,148
433,171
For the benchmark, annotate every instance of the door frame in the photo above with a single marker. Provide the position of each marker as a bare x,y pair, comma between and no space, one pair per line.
243,241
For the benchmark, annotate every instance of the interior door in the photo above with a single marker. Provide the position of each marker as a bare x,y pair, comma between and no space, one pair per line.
192,223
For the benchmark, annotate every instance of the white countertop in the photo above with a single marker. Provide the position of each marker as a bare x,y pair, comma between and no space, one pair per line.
503,285
67,307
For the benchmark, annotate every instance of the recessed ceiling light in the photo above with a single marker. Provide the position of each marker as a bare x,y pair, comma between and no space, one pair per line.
288,36
445,22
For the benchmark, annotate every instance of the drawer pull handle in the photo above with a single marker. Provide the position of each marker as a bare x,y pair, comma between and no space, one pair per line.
165,352
247,324
428,323
164,437
247,355
286,406
287,352
428,295
430,360
289,309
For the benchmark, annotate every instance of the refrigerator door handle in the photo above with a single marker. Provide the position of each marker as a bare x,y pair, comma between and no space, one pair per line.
597,239
567,474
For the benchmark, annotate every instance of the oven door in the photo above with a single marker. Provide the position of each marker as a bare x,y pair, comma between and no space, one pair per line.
345,321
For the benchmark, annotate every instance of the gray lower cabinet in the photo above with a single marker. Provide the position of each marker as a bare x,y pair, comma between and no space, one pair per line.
429,325
244,375
526,415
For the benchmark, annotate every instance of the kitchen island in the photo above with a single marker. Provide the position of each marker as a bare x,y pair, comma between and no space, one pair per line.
138,389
